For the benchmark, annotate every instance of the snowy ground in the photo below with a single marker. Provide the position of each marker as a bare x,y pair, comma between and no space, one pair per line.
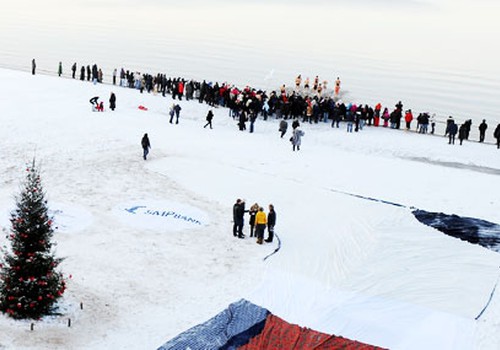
143,280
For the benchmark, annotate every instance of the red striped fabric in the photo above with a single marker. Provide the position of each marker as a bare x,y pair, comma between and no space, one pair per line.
278,334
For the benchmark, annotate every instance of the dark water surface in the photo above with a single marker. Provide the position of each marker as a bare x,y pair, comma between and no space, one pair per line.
472,230
380,53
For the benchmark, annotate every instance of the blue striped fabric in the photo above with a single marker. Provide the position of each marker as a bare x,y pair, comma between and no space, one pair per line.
226,330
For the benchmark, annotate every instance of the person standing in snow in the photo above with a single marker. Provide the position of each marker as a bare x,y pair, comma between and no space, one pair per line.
283,127
73,70
82,73
112,101
177,110
33,66
171,112
252,212
408,119
376,118
260,225
496,134
180,89
451,131
386,117
271,222
59,70
433,123
238,214
349,118
145,145
482,130
209,118
297,138
462,133
115,73
449,121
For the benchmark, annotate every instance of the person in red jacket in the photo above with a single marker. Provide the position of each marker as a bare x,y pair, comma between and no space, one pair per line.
408,119
180,90
376,117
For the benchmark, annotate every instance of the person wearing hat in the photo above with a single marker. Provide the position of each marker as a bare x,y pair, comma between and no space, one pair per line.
451,131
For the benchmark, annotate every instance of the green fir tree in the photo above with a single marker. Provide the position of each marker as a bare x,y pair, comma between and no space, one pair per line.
30,284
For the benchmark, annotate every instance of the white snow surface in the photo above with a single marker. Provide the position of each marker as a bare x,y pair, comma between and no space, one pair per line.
349,266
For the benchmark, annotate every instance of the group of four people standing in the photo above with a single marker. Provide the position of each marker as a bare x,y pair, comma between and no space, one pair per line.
258,221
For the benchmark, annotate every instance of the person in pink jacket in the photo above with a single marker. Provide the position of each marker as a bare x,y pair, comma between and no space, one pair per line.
386,116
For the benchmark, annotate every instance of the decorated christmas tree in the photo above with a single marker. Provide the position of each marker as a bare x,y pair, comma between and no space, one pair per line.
29,282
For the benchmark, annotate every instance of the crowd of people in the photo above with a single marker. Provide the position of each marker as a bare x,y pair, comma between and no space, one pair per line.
309,103
302,103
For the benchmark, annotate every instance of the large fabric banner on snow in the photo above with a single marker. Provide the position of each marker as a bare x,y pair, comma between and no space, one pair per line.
246,326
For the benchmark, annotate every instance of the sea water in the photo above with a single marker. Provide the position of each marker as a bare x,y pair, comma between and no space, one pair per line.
434,56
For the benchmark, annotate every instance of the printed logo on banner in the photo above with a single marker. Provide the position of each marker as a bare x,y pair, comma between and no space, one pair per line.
161,215
68,218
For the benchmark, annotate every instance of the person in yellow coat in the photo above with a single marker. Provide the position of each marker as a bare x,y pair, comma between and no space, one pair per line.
260,225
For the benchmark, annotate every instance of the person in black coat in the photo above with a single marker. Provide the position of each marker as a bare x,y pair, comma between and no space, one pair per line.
73,70
33,66
462,133
238,214
482,130
112,101
145,145
94,101
242,119
449,121
496,134
283,127
209,118
271,222
451,130
177,110
82,73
